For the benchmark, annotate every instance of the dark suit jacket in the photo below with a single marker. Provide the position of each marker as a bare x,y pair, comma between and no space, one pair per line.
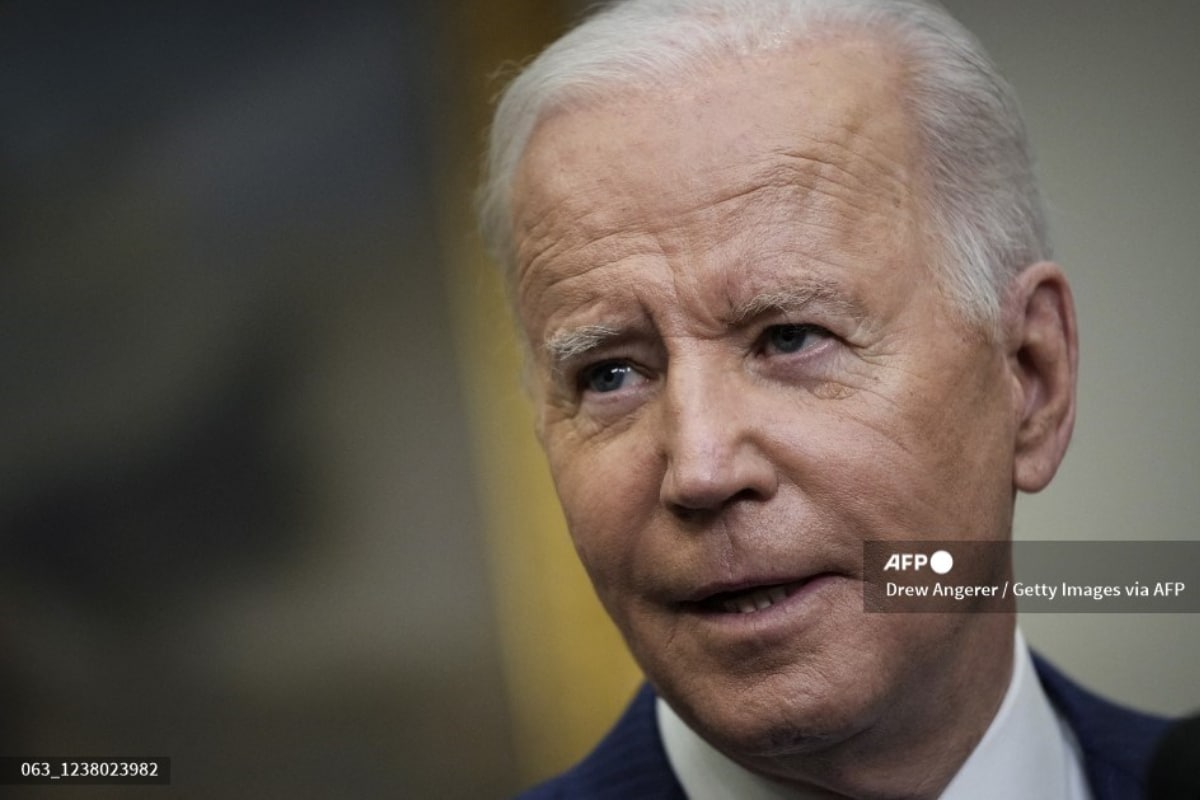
630,763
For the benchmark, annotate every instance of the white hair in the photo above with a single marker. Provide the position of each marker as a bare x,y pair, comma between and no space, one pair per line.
984,208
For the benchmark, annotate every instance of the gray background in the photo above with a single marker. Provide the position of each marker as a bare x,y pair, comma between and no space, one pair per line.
1110,91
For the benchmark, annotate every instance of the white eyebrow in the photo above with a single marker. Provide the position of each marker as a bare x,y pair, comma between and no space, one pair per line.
562,346
566,345
793,300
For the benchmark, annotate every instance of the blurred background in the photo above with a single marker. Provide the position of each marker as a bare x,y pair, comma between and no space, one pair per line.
269,499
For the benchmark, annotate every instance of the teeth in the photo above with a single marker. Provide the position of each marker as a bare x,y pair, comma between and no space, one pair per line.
756,600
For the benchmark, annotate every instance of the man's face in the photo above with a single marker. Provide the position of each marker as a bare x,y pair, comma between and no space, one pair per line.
745,369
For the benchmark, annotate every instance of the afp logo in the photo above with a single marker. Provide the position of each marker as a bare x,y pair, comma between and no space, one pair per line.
940,562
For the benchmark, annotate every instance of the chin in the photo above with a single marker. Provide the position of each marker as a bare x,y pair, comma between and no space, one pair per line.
766,717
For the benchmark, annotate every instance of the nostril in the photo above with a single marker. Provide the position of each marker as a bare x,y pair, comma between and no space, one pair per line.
699,513
744,494
689,515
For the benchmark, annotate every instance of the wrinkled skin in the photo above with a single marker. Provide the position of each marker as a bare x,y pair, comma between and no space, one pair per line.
744,368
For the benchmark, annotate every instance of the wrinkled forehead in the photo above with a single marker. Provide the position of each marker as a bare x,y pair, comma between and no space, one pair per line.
825,120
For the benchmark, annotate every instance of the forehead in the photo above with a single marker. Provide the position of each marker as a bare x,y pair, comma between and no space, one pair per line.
815,133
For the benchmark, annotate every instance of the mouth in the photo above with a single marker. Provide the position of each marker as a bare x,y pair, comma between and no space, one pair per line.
749,600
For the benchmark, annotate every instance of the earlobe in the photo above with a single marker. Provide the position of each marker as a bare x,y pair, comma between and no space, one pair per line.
1043,355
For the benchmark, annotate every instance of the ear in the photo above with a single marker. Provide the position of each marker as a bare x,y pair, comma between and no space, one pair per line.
1043,356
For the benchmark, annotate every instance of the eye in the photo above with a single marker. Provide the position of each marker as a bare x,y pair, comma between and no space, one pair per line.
607,376
792,338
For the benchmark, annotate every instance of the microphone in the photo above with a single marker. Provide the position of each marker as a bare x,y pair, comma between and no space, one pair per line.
1175,768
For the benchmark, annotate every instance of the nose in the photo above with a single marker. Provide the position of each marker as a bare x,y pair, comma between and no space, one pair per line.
712,443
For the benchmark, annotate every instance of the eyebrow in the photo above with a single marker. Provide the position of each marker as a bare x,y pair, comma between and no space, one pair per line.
792,300
565,345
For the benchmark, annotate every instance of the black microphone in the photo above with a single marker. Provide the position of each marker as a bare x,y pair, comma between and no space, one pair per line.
1175,769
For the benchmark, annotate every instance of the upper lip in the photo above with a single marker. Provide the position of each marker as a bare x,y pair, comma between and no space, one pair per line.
710,590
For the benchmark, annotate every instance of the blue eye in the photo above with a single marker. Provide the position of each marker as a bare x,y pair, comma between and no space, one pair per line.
791,338
606,377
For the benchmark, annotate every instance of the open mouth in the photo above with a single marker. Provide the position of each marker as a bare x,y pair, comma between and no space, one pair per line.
751,600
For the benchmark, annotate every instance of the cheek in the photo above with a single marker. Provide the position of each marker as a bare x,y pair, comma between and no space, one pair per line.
931,463
920,461
609,493
969,444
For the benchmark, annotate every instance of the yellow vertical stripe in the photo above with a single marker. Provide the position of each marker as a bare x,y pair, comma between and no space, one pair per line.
567,672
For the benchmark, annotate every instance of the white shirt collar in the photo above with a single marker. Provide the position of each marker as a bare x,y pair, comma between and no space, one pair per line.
1027,752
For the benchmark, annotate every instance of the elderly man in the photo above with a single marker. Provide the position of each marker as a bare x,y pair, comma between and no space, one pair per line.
782,271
